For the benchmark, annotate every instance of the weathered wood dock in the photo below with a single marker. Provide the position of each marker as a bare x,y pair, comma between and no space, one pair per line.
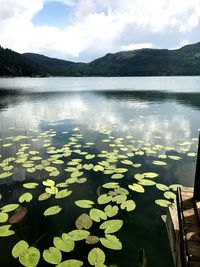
183,224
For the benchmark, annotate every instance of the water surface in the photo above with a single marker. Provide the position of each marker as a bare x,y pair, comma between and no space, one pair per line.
136,119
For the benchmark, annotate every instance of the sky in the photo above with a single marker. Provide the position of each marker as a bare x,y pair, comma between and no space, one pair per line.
82,30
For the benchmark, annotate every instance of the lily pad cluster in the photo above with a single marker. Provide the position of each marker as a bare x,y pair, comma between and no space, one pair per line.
54,171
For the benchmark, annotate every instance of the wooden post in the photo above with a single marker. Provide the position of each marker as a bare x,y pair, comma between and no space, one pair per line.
197,175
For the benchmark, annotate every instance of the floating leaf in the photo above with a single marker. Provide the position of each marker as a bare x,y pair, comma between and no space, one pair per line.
111,185
90,156
121,170
3,217
52,211
139,176
88,167
121,191
174,157
191,154
70,263
169,195
111,211
98,168
77,235
136,187
84,221
146,182
128,205
96,256
104,199
127,162
26,197
5,230
52,255
63,244
87,204
111,226
158,162
19,248
5,175
117,176
163,202
19,214
150,174
97,215
63,193
111,242
48,182
92,240
162,187
164,218
30,257
30,185
53,190
44,196
119,199
174,187
9,207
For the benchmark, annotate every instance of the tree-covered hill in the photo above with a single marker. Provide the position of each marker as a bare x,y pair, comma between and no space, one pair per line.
142,62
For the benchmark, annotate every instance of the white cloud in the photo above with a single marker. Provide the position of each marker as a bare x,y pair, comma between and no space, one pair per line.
98,27
136,46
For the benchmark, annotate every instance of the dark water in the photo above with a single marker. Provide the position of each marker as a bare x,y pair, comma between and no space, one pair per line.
159,114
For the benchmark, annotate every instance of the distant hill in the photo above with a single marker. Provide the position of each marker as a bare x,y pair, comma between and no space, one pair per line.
142,62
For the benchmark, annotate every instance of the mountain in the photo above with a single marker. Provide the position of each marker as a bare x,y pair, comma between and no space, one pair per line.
142,62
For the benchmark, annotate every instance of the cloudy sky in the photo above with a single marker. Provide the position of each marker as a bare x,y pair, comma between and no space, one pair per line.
82,30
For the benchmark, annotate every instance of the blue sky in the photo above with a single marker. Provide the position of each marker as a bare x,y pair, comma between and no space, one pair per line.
82,30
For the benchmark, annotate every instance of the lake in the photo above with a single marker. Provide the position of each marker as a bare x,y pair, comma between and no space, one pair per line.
88,166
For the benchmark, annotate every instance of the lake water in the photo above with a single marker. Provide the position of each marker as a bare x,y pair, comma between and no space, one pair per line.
81,134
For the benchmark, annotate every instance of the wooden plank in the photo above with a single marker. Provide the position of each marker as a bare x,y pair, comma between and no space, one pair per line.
193,250
194,264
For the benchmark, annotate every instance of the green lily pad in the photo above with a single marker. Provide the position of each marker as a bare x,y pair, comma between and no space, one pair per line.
174,157
48,182
119,199
9,207
26,197
96,256
117,176
92,239
139,176
111,185
146,182
77,235
127,162
88,167
136,187
98,168
164,218
3,217
162,187
111,226
111,242
52,211
5,175
90,156
19,248
44,196
53,190
87,204
52,255
30,257
104,199
174,187
163,202
63,193
30,185
70,263
128,205
5,230
111,211
169,195
159,162
150,174
63,244
121,191
97,215
121,170
84,221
